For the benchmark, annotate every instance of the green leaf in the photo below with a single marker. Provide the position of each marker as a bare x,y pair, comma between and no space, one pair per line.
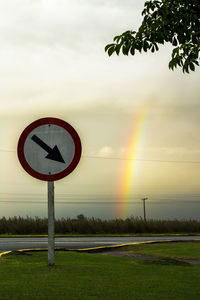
152,49
156,46
175,52
117,48
196,62
108,46
170,65
125,49
132,50
192,67
111,50
117,38
186,67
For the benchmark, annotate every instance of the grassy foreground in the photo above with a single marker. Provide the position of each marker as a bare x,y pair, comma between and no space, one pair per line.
94,276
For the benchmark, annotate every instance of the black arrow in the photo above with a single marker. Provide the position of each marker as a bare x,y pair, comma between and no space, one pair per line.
53,154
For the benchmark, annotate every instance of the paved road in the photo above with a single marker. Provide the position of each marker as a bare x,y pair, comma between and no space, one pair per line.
7,244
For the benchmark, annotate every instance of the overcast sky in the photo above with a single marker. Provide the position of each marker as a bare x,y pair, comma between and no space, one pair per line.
52,63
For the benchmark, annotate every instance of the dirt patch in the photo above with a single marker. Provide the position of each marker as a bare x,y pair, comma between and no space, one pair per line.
192,261
126,254
148,257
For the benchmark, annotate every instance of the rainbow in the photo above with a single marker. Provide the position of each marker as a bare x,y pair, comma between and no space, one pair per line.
129,172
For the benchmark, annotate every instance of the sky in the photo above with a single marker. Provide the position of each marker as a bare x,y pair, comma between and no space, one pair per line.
137,120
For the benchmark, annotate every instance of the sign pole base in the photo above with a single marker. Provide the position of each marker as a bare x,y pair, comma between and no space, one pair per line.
51,217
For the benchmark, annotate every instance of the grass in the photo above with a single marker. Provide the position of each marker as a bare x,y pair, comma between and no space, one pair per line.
93,276
172,250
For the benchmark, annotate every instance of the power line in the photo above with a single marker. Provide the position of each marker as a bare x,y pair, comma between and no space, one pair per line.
98,197
101,195
131,159
171,201
144,160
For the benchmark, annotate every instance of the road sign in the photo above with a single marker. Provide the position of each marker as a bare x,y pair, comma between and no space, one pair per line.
49,149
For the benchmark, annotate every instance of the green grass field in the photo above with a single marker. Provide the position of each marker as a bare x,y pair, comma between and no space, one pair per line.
95,276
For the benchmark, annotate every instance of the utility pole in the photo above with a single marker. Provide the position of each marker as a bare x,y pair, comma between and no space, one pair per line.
144,199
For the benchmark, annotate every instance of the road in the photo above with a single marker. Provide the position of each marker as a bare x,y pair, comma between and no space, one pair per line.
7,244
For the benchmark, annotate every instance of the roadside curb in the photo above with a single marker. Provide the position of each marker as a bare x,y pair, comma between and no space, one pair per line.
97,249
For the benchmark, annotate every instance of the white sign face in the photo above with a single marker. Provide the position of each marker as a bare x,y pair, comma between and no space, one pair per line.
49,149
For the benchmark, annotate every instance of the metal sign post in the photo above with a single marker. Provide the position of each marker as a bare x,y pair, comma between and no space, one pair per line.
49,149
51,217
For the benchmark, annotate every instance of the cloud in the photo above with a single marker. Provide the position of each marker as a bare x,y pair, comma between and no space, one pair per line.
106,151
73,25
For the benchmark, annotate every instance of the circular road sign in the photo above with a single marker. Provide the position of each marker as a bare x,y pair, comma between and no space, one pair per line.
49,149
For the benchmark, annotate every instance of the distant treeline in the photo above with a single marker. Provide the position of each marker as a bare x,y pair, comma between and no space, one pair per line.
84,225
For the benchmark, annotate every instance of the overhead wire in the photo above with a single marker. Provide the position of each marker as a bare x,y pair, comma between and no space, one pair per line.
131,159
144,160
101,196
175,198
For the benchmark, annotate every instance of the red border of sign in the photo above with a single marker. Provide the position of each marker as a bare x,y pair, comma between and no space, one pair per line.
69,129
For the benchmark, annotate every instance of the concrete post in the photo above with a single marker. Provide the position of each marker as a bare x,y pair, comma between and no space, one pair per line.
51,239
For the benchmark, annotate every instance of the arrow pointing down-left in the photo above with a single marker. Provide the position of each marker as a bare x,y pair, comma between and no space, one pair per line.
53,153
